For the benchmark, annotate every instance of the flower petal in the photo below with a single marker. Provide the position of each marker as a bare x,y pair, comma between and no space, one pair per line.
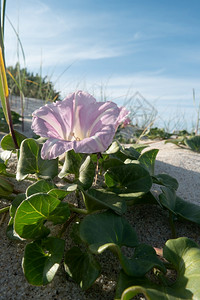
123,115
79,123
87,113
53,148
96,143
55,119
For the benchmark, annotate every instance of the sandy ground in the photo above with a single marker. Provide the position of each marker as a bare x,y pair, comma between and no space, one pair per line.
150,223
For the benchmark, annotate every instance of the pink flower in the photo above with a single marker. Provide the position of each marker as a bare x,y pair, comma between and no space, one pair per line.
78,122
123,117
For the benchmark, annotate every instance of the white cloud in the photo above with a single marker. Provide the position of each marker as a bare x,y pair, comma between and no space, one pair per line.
57,36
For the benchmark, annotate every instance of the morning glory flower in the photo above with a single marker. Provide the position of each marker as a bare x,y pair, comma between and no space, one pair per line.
78,122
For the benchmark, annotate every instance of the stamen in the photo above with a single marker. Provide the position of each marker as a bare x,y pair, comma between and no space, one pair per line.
72,135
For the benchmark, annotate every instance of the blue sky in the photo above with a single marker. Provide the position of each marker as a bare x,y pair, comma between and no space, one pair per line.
112,46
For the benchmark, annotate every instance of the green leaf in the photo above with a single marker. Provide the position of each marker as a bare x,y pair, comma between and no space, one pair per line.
117,151
128,180
187,210
6,187
41,186
2,168
114,148
15,203
5,156
178,206
72,164
32,212
168,198
130,152
58,193
10,232
86,173
42,259
104,230
74,233
101,199
147,160
7,141
143,260
62,193
184,255
30,162
139,147
108,231
81,166
166,180
111,162
177,141
147,198
81,267
193,143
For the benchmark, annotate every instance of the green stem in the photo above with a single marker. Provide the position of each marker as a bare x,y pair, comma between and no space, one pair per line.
66,224
77,197
4,209
78,210
10,123
171,222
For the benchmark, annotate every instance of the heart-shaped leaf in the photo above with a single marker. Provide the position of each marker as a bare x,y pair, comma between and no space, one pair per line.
122,153
81,166
168,198
81,267
42,259
41,186
107,229
184,255
72,164
7,141
139,147
114,148
143,260
187,210
166,180
101,199
147,160
130,152
6,187
147,198
10,232
2,168
62,193
30,162
111,162
128,180
32,212
5,156
86,173
178,141
178,206
193,143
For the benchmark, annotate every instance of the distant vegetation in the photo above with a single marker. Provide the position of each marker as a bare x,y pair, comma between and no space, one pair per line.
20,80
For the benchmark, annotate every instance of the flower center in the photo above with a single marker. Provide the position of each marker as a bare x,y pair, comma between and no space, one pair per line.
72,137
